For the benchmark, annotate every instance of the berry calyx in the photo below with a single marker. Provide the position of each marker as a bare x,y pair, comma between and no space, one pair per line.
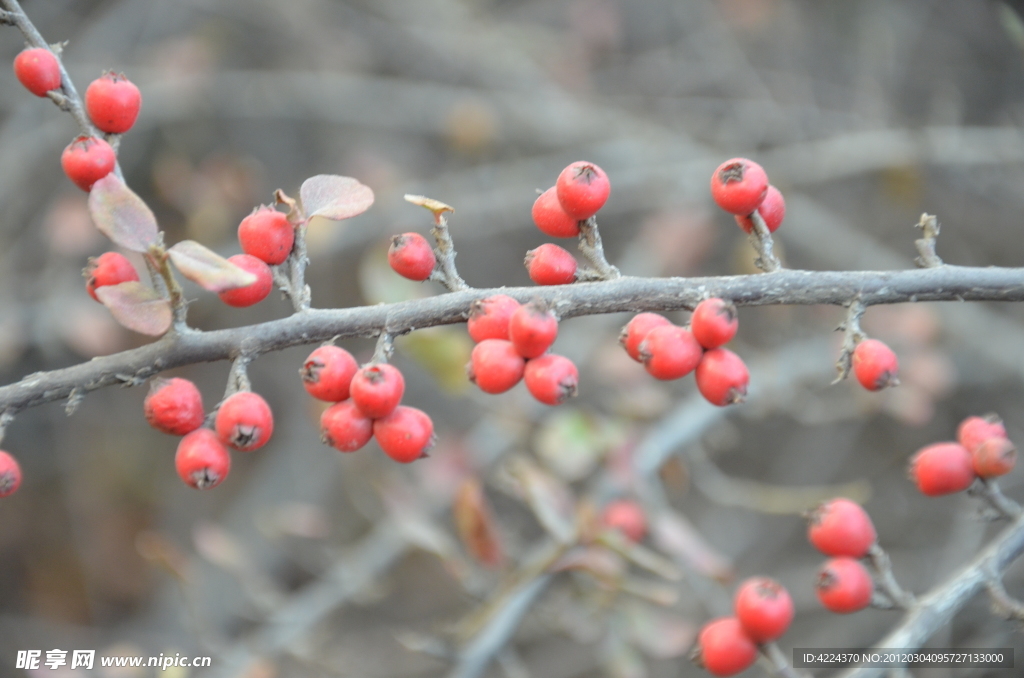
532,329
714,322
202,461
722,377
551,379
377,389
723,648
267,235
10,474
38,70
344,427
764,609
405,435
942,468
875,365
174,406
327,373
739,186
244,421
110,268
551,218
840,527
411,256
994,457
254,293
670,352
973,431
772,209
495,366
488,318
844,585
112,102
86,160
637,329
550,264
627,517
582,189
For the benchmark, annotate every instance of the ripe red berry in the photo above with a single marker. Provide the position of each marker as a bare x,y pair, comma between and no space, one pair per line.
723,648
267,235
202,460
110,268
551,218
764,609
627,517
582,189
495,366
739,185
38,70
637,329
840,527
875,365
113,103
405,435
772,209
488,318
994,457
973,431
551,379
10,474
551,265
241,297
244,421
411,256
377,389
86,160
722,377
344,427
714,322
670,352
844,585
327,373
174,406
942,468
532,329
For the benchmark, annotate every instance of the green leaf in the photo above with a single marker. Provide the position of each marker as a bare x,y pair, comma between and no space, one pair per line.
208,269
334,197
137,307
121,215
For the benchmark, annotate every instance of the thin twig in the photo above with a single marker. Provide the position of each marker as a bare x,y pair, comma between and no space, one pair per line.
1003,603
761,239
780,666
445,273
156,258
882,565
592,250
852,335
988,489
385,348
6,417
929,226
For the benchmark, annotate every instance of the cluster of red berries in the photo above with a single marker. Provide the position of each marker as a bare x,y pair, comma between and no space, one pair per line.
366,405
763,611
982,450
671,352
411,256
512,342
740,187
266,237
243,422
841,529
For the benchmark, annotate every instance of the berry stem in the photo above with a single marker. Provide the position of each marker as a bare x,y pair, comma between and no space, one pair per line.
929,226
445,272
1003,604
882,565
988,489
761,239
6,417
293,284
852,336
238,377
593,251
385,348
158,260
779,664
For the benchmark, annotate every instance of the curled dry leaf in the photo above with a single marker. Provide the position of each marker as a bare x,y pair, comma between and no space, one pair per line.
208,269
474,521
435,206
121,215
334,197
137,307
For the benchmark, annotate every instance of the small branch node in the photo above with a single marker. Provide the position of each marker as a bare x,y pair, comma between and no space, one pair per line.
988,490
853,336
929,225
592,250
385,348
761,240
1003,604
75,399
896,594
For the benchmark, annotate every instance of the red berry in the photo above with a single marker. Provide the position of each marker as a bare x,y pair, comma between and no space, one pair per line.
840,527
670,352
411,256
344,427
488,318
405,435
550,217
174,406
244,421
86,160
627,517
942,468
267,235
551,379
551,265
10,474
250,294
327,373
637,329
714,322
532,329
772,210
377,389
764,609
994,457
739,185
495,366
722,377
38,70
723,648
201,460
875,365
110,268
973,431
844,585
113,103
582,189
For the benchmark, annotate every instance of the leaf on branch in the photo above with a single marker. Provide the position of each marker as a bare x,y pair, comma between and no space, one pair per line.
208,269
137,307
121,215
475,523
334,197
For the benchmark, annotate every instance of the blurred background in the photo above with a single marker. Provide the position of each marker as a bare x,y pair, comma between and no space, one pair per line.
306,562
